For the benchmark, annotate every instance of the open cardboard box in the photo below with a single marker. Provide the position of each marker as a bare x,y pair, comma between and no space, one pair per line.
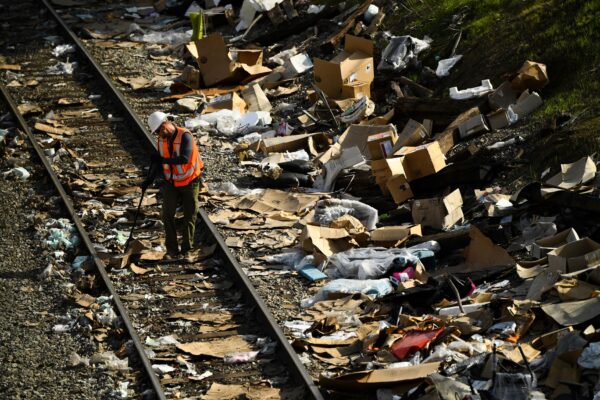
394,234
574,256
421,161
355,136
438,212
386,168
543,246
350,73
216,65
381,144
413,134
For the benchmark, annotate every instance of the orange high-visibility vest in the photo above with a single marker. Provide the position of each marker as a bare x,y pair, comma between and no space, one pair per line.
180,174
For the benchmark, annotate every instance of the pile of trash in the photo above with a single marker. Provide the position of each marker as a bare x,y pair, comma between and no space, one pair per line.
426,276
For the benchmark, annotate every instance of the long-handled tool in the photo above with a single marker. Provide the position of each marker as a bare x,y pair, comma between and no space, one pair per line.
151,175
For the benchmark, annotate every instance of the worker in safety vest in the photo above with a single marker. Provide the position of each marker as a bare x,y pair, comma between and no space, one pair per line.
181,166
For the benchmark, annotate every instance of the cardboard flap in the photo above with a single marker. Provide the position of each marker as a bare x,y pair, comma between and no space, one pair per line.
453,201
213,59
249,56
357,44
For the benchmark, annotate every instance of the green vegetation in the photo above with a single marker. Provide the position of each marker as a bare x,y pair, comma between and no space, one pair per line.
497,37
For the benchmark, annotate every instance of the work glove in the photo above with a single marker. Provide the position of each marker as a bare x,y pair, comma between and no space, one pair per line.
155,158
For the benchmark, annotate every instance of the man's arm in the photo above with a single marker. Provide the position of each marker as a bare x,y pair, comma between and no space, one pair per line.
184,154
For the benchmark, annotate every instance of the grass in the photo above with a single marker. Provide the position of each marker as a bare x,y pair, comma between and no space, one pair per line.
498,36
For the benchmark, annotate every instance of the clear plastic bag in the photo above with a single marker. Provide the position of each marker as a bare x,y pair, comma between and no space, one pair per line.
373,287
367,262
326,211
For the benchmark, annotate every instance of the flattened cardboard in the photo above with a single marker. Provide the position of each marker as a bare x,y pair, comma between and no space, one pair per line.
399,188
216,348
438,213
354,64
374,379
482,253
213,59
574,256
422,161
380,145
573,312
413,134
543,246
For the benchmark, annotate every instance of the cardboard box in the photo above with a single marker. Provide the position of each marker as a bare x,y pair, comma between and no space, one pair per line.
422,161
438,212
216,66
413,134
386,168
355,136
541,247
472,126
527,103
289,143
503,96
574,256
354,64
399,188
531,75
355,90
229,101
395,233
381,144
498,119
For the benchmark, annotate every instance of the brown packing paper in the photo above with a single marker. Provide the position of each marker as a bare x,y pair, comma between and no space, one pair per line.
216,348
531,75
219,391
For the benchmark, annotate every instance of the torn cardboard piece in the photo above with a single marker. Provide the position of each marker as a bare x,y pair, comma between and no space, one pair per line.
370,380
573,312
412,134
482,253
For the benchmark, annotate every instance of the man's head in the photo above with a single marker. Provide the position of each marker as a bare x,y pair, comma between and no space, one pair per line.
161,123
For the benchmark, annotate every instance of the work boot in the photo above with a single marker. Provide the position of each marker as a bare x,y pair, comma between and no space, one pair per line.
189,256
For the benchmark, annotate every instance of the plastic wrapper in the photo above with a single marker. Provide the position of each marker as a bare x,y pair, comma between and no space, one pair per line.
590,357
367,263
327,211
450,389
400,52
239,358
109,361
374,287
444,66
513,386
173,37
230,189
62,49
290,258
62,68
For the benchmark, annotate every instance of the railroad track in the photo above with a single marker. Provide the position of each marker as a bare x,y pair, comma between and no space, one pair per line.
95,148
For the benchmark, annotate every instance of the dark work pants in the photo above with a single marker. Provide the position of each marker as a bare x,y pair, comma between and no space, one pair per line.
188,195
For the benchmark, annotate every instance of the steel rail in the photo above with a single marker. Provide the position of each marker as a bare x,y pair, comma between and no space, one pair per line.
87,242
289,356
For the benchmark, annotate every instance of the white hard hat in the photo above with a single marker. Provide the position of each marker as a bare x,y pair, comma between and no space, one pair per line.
156,119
